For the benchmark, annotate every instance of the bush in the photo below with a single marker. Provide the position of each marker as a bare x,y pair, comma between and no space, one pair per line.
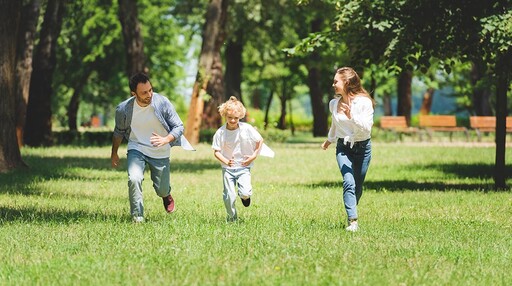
206,135
275,135
82,138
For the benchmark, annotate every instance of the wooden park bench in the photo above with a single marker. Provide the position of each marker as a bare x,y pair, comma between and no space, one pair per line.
397,125
487,124
441,123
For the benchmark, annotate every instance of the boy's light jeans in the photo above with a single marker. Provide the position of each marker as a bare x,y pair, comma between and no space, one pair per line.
233,178
160,175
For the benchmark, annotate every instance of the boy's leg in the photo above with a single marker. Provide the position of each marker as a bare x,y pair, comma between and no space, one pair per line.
136,165
229,195
244,183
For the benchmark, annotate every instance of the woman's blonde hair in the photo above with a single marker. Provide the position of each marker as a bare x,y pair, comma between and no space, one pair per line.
352,83
232,104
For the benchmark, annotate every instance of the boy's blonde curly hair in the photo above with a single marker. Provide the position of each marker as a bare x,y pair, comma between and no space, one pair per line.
232,104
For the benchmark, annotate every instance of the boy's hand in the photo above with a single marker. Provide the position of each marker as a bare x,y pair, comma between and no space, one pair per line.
248,160
231,162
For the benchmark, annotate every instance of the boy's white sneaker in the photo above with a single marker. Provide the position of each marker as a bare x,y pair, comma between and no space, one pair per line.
353,226
138,219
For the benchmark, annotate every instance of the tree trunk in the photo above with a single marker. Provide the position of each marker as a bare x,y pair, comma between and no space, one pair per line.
234,66
290,110
24,51
386,104
10,157
481,94
503,71
281,124
255,98
132,35
74,102
404,103
426,104
215,88
320,127
209,75
38,127
267,109
316,94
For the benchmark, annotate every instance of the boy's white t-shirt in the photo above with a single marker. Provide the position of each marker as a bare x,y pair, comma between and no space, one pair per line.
144,123
235,144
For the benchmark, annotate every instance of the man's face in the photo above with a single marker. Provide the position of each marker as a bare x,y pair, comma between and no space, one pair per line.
144,94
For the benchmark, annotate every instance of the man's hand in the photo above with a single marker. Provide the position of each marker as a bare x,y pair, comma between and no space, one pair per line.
158,141
114,158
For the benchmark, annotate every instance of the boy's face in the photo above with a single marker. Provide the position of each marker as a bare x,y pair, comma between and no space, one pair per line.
232,119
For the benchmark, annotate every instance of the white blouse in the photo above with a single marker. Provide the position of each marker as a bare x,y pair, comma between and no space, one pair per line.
356,129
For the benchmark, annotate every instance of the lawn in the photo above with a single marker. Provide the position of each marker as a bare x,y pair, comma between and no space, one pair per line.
428,216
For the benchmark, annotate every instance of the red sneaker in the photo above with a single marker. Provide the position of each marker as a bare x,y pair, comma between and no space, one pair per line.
169,204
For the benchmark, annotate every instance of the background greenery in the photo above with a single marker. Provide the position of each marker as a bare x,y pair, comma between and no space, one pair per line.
427,217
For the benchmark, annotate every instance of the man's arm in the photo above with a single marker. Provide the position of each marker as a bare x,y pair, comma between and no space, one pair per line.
114,158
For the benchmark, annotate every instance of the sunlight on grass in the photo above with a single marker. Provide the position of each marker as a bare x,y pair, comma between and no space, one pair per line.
428,217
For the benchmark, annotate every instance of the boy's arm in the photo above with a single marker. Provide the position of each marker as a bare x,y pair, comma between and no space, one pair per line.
249,158
222,159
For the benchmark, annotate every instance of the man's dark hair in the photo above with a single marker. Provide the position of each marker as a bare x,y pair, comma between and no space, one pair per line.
136,79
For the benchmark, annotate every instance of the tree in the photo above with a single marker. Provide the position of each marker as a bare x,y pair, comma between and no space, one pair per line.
24,51
88,59
10,157
133,42
209,75
404,103
409,34
38,127
496,43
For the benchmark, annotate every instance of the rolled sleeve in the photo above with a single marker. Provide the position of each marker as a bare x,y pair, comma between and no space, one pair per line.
120,128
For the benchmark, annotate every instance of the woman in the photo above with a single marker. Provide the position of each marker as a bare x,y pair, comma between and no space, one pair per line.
352,121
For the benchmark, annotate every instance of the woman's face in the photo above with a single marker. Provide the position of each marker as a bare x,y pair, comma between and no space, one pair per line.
338,84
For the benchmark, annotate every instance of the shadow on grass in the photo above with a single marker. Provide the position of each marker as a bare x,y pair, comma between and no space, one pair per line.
460,171
78,169
55,216
409,185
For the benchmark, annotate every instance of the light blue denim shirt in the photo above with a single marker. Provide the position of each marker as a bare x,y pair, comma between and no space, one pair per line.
164,111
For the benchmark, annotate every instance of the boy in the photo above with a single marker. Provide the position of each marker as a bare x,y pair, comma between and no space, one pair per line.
236,145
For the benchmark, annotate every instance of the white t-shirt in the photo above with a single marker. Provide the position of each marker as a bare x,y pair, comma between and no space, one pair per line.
356,129
144,123
235,144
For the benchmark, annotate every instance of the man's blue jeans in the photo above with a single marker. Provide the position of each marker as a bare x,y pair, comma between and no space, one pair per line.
353,163
160,175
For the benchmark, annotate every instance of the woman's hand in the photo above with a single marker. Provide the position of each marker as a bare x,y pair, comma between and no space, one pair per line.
326,144
345,108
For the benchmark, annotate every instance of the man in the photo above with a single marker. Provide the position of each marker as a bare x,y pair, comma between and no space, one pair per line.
151,126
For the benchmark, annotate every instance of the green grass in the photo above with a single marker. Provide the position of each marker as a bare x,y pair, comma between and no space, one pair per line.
428,216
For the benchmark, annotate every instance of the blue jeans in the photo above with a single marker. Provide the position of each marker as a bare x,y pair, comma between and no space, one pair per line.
353,164
160,175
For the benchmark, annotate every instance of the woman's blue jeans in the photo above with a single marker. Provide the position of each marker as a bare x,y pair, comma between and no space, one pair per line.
353,163
160,175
